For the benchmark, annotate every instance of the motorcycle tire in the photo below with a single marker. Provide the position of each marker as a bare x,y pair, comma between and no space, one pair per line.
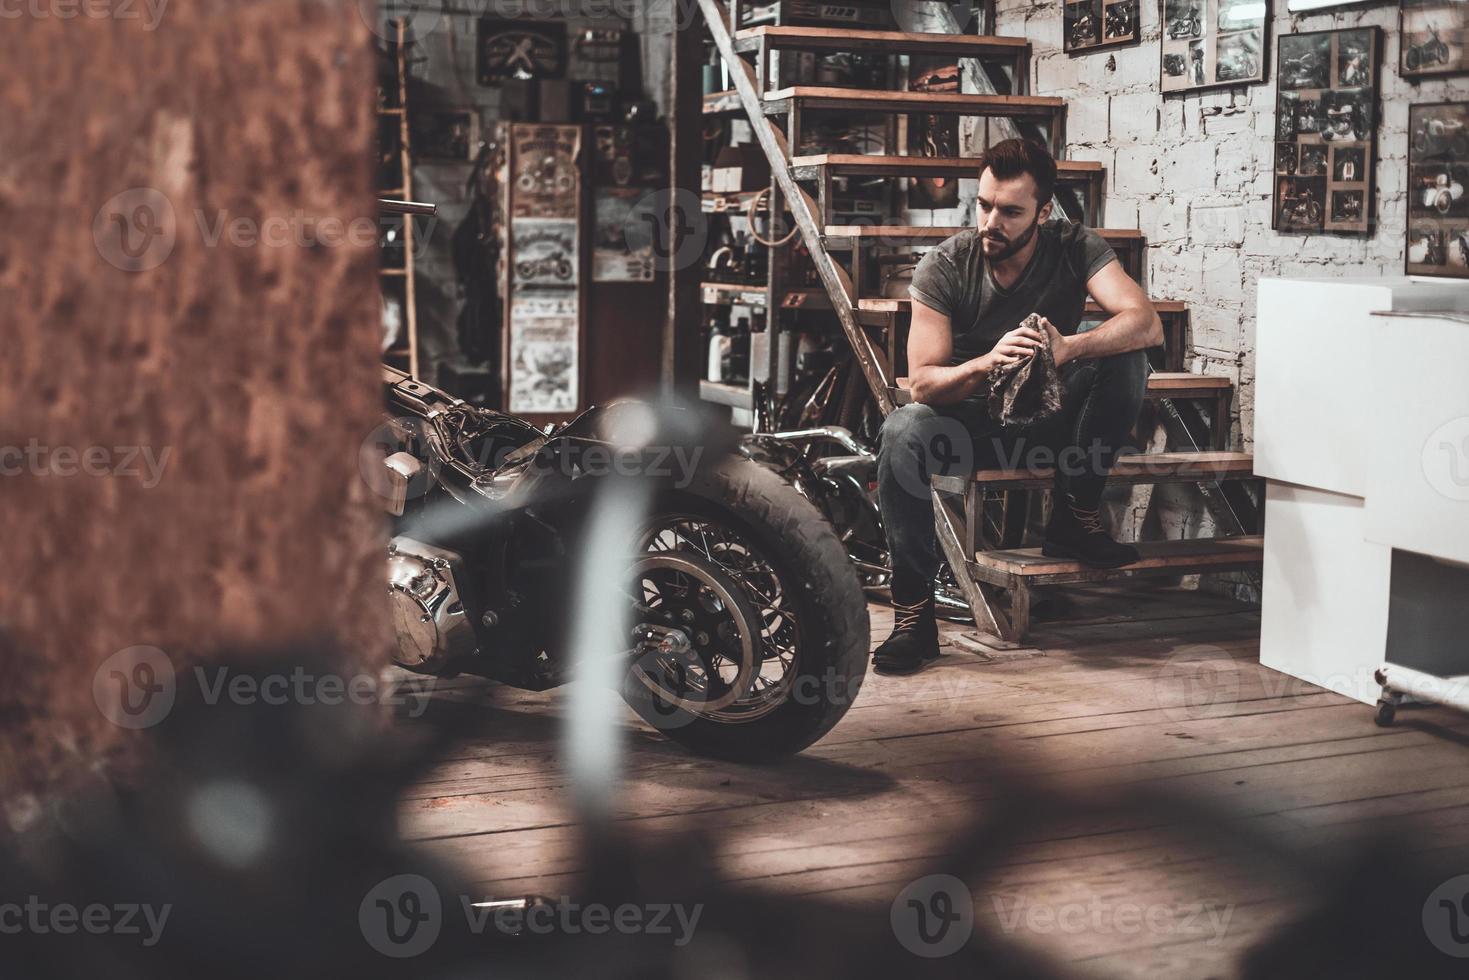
1414,58
828,613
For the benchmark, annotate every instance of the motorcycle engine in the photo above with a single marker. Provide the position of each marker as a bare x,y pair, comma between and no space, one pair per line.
429,621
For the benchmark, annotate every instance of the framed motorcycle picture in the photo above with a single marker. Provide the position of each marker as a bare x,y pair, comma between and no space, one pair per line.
1213,44
1435,38
1438,173
1093,24
1325,131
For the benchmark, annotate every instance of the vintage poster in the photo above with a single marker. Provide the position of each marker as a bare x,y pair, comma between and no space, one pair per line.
546,182
614,258
543,352
543,254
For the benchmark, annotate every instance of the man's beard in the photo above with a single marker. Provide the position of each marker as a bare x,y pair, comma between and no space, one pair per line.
1012,245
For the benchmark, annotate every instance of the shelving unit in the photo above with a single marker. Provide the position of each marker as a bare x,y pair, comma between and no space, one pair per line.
404,356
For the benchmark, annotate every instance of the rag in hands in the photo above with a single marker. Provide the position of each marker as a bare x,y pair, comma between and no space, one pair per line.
1029,390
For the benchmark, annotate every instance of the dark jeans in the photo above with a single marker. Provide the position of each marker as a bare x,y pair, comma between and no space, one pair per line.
1100,401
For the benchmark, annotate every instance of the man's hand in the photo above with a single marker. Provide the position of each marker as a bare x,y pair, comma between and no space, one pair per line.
1013,348
1061,347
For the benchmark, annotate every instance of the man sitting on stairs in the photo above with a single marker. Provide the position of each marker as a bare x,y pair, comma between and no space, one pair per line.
969,296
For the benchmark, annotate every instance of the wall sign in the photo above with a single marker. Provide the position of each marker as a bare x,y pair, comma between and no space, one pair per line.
1092,24
1212,43
520,49
1435,38
1438,174
1326,118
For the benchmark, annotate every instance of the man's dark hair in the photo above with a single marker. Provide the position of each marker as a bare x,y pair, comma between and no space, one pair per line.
1013,157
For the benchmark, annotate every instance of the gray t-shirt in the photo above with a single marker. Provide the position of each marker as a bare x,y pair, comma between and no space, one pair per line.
954,279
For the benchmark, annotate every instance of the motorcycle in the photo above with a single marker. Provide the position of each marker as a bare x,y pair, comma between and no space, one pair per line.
750,631
1431,52
1083,31
1186,26
1118,21
555,265
1436,133
1442,193
1302,208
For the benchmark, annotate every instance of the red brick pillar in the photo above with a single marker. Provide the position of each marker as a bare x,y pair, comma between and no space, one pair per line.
187,348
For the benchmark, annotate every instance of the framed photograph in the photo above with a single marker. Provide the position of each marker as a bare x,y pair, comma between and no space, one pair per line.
1311,6
1325,131
1213,43
1092,24
1438,176
1435,38
444,134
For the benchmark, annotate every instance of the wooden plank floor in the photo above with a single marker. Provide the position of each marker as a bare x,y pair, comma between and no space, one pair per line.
1126,694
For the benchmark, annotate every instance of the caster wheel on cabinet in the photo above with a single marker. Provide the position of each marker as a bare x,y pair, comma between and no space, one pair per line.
1386,711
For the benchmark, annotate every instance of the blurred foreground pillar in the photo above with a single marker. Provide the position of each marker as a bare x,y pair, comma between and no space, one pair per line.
187,349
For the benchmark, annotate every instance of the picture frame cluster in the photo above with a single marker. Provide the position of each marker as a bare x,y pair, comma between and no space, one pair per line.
1213,43
1438,206
1326,124
1092,24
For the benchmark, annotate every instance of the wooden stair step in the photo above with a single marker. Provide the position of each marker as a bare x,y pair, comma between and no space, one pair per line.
844,236
1137,469
887,42
864,164
1176,557
1161,384
722,103
939,103
1181,384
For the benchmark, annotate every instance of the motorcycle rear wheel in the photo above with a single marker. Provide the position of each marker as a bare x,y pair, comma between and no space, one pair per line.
793,570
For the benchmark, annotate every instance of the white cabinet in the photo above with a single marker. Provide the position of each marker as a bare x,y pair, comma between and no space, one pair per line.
1362,433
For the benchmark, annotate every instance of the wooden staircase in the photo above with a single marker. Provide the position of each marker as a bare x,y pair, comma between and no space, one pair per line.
981,519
